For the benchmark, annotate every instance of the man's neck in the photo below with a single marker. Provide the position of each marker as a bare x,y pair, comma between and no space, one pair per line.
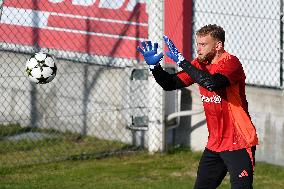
217,56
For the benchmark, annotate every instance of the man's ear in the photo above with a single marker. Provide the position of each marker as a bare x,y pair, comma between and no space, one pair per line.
219,45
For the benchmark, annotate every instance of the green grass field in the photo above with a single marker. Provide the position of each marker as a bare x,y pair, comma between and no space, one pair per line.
60,146
70,161
175,169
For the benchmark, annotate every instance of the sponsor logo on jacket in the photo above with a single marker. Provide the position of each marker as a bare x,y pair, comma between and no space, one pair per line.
215,99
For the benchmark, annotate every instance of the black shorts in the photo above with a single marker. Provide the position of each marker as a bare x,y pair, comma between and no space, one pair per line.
214,166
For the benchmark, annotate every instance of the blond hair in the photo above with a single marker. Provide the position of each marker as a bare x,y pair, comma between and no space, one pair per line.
215,31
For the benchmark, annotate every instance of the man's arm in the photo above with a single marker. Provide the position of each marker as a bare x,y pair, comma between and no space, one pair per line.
167,81
211,82
203,78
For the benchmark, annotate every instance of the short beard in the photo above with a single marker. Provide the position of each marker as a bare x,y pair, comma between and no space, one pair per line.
207,58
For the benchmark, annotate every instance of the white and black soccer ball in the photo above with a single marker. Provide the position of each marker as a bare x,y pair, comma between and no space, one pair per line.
41,68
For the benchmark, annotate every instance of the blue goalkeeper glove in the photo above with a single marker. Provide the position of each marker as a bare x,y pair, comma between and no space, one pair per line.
174,54
150,54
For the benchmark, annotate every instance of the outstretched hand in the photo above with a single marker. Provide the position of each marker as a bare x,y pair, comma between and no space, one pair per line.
149,53
174,54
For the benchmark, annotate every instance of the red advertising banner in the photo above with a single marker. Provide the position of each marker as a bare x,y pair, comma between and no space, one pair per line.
178,25
97,27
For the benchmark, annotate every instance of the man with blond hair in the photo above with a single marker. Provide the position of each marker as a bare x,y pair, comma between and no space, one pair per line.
221,79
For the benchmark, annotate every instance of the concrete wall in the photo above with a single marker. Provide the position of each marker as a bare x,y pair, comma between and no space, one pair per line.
83,98
266,107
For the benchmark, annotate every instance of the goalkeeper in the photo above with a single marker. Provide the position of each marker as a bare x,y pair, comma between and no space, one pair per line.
221,79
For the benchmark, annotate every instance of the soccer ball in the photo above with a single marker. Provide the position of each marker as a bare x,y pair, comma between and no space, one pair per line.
41,68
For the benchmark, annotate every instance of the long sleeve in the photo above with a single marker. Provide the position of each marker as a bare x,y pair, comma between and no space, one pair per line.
166,80
209,81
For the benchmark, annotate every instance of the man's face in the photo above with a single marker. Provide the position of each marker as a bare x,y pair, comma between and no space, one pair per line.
206,48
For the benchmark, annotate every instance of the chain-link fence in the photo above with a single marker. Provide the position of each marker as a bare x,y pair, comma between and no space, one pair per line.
254,35
101,98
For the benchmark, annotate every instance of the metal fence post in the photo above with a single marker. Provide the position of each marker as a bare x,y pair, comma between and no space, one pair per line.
281,42
156,97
